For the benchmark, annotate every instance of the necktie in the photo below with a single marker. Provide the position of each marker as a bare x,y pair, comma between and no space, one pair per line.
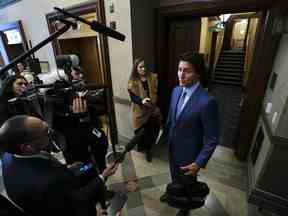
180,104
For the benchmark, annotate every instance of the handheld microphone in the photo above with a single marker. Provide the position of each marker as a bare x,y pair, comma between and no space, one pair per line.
130,145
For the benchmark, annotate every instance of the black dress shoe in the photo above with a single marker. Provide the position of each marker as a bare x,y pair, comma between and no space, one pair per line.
140,148
149,156
163,197
109,194
183,212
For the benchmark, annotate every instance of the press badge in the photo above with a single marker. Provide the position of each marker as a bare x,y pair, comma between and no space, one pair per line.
97,132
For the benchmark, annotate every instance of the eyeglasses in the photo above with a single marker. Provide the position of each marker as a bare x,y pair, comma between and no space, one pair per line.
21,83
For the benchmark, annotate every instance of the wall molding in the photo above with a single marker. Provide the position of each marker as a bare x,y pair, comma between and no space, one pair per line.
122,101
272,137
255,192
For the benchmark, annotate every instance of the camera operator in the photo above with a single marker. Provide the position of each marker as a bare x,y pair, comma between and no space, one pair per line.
81,128
13,88
35,181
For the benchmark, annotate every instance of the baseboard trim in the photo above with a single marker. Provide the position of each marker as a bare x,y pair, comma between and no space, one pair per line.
264,199
122,101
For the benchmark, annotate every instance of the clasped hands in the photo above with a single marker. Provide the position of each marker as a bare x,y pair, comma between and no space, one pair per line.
191,169
147,103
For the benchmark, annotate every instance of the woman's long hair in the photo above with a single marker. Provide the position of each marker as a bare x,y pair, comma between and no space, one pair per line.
134,73
7,88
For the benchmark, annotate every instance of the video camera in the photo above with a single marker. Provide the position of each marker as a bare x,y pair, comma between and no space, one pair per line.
59,98
65,62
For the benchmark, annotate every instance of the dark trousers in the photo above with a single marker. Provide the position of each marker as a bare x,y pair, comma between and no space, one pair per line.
147,134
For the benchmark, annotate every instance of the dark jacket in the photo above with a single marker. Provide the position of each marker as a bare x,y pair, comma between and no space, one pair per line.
4,111
15,107
45,187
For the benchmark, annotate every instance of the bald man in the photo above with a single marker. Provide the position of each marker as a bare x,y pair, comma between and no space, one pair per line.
36,181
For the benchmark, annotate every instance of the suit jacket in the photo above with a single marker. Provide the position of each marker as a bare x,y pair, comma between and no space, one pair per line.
45,187
194,135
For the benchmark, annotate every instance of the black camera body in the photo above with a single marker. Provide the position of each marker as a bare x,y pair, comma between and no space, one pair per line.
55,107
60,95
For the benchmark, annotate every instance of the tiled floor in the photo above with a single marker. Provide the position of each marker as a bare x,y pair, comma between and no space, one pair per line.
225,176
145,182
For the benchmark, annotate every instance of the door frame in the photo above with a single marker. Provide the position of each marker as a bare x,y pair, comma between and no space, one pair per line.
15,25
99,8
256,87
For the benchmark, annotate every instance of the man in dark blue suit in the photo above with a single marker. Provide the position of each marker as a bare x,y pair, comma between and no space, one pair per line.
193,125
36,181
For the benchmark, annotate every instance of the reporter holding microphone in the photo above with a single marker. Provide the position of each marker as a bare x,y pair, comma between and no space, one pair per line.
146,116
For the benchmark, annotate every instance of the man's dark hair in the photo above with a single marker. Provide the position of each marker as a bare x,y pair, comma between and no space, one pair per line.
15,132
196,59
78,69
198,62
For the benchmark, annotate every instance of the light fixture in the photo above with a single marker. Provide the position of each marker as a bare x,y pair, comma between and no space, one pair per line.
220,25
224,17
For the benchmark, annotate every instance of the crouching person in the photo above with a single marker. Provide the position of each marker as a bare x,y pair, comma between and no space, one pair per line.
37,182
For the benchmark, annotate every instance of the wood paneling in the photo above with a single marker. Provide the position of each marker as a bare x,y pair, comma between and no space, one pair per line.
87,50
90,59
184,35
167,3
82,30
266,46
228,35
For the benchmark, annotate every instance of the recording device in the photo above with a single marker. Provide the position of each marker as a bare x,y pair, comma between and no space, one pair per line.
63,93
130,145
59,97
83,168
138,138
65,62
34,65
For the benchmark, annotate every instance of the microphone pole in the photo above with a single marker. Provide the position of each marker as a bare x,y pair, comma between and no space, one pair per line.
34,49
94,25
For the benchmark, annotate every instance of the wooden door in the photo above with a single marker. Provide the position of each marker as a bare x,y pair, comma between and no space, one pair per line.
4,58
88,50
183,35
212,53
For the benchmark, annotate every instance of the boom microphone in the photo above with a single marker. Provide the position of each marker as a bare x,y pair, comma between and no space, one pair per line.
96,26
88,87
